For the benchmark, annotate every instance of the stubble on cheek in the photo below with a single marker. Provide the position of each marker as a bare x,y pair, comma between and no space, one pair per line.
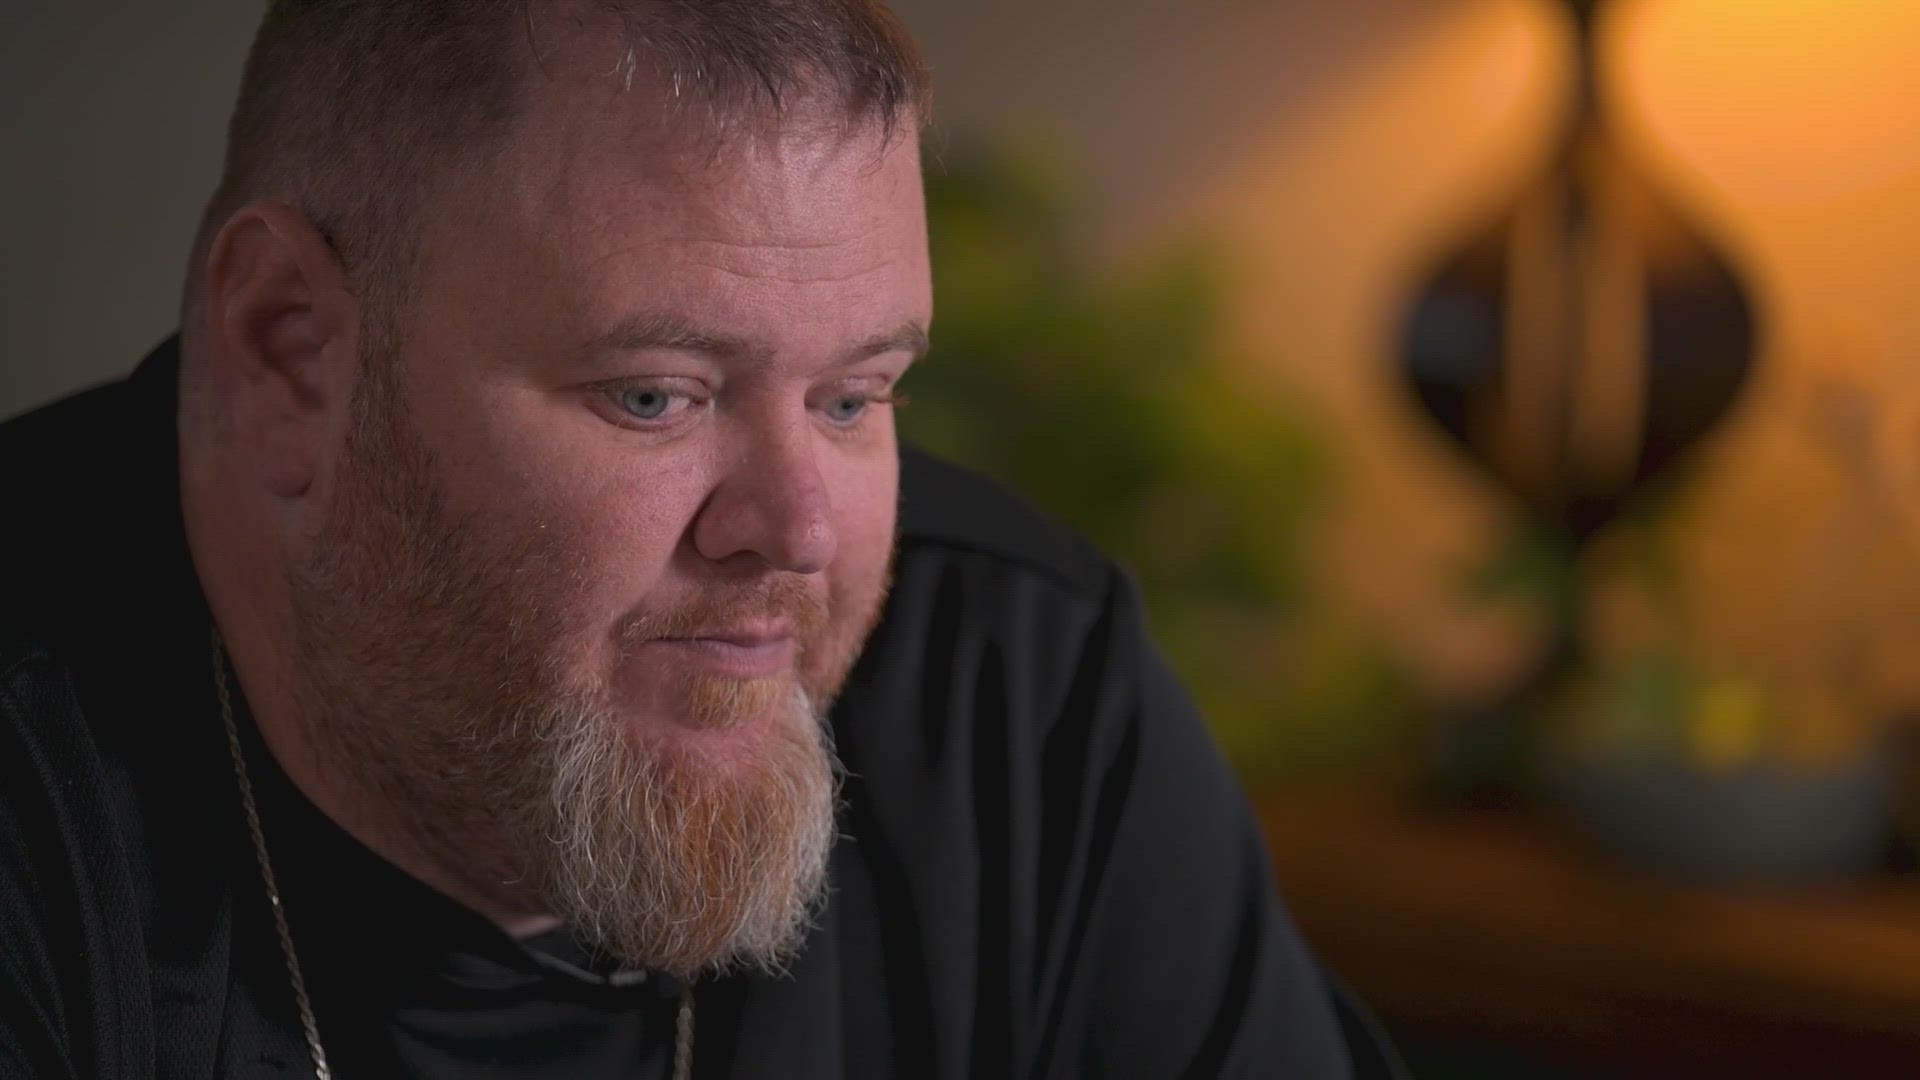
431,646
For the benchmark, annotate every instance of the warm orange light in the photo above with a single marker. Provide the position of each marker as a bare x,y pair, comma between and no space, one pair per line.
1776,102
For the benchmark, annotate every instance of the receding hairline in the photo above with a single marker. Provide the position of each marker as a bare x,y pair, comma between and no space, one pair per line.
553,48
665,153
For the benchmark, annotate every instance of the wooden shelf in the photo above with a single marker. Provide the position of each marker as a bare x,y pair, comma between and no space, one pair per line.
1497,928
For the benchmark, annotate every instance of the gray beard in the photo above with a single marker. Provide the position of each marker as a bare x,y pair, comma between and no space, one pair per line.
683,869
660,858
426,651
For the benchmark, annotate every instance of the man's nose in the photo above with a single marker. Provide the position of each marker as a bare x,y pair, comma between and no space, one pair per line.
771,502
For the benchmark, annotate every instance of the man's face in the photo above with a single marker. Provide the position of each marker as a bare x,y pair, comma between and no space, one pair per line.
612,530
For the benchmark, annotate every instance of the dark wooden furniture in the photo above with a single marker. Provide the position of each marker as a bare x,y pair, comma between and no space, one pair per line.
1497,929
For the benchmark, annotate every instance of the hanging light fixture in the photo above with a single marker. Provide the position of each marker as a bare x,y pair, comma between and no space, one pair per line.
1574,346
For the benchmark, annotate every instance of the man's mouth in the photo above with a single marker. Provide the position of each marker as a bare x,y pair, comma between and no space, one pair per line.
754,651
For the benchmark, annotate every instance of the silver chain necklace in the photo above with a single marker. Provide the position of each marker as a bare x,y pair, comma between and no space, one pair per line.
683,1025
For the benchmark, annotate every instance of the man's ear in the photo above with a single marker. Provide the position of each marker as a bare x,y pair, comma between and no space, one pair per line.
281,335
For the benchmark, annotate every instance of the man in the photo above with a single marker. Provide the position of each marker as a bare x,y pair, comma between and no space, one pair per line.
469,650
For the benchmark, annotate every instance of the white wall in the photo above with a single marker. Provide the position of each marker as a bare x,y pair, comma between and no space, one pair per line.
111,140
1154,96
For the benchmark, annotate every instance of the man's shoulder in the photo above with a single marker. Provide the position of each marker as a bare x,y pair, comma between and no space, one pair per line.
89,508
41,725
991,593
82,423
47,478
949,508
69,471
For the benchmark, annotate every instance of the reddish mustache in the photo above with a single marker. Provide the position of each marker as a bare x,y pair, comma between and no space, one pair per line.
763,611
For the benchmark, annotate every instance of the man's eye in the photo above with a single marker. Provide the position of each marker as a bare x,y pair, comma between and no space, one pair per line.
648,402
846,408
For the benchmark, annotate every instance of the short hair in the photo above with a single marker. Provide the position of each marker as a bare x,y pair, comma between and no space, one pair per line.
351,110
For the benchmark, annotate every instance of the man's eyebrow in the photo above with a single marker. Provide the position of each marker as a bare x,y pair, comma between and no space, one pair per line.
675,333
909,337
651,332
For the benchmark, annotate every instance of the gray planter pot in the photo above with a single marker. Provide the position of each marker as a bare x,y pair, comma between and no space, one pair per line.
1759,824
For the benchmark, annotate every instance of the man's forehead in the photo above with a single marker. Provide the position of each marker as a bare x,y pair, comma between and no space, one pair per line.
598,221
647,131
599,163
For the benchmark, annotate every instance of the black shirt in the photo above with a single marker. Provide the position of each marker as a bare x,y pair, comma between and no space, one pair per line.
1045,868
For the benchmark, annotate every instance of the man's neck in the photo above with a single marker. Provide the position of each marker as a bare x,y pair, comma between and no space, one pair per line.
446,861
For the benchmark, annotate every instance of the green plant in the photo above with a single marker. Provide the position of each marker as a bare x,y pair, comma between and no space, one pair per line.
1108,401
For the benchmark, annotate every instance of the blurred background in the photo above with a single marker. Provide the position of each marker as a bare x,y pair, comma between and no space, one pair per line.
1505,404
